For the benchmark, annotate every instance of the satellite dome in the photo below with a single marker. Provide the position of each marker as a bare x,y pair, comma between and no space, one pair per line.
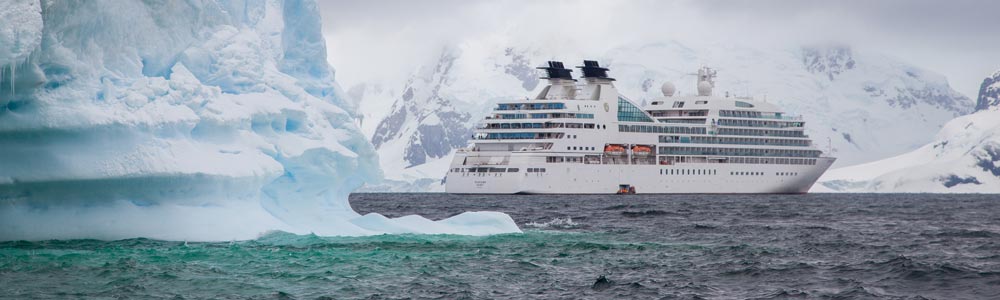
704,88
668,89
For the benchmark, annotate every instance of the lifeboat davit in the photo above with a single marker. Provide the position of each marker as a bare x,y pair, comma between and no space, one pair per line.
614,150
642,150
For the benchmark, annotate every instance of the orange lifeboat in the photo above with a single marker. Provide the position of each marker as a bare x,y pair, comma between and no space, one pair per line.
641,150
614,150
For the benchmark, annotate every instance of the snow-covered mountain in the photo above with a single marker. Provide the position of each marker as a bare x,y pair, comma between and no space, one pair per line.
185,120
866,106
431,114
963,158
422,125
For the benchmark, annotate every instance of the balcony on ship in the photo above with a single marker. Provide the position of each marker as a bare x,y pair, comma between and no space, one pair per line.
758,115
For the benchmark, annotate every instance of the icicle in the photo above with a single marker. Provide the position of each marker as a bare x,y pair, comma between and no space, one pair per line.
13,68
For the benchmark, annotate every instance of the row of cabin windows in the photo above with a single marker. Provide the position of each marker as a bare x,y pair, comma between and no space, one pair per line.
756,123
563,159
732,140
581,148
521,136
661,129
748,114
688,172
715,172
762,173
666,160
679,113
683,121
486,170
515,135
543,116
496,170
738,152
530,106
587,159
761,132
543,125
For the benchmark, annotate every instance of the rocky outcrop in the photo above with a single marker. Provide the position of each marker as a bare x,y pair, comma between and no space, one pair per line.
831,61
989,93
427,121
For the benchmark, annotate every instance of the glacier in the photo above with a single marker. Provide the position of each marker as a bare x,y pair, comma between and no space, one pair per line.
964,157
182,120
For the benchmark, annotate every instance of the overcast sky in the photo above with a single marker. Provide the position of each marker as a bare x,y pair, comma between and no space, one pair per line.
959,39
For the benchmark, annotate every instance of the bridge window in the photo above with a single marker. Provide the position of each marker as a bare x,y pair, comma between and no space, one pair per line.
629,113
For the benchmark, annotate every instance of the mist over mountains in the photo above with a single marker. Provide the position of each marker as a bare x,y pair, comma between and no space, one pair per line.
860,104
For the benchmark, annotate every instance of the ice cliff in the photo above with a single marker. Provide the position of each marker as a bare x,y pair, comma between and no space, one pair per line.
193,120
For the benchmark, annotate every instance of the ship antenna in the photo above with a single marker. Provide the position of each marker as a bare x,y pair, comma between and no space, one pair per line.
707,75
829,146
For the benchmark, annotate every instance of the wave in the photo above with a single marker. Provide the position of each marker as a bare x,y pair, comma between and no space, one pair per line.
644,213
558,223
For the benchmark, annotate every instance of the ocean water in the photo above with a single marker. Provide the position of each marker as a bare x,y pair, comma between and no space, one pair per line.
821,246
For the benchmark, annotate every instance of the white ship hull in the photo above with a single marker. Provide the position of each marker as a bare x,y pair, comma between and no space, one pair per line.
714,178
589,139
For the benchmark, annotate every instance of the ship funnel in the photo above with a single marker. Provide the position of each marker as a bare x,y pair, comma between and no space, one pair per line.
591,69
555,70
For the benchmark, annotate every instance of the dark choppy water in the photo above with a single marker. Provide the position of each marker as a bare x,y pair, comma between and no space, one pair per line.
599,247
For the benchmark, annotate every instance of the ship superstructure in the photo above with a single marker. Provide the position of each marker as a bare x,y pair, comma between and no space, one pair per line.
586,138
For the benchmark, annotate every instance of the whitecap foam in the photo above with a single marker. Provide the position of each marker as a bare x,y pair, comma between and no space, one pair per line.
559,223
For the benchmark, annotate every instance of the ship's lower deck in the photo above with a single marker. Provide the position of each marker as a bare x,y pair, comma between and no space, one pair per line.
579,178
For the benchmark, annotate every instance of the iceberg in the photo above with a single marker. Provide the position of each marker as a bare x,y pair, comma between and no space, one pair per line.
182,120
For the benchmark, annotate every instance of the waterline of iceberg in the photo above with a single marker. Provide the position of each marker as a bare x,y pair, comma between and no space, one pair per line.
198,120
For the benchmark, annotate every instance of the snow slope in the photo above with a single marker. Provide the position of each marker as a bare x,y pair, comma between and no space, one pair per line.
865,106
964,157
185,120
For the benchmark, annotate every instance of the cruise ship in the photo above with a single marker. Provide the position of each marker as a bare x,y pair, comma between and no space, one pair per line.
586,138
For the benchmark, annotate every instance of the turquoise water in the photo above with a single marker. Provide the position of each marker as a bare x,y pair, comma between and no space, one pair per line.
282,265
591,247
